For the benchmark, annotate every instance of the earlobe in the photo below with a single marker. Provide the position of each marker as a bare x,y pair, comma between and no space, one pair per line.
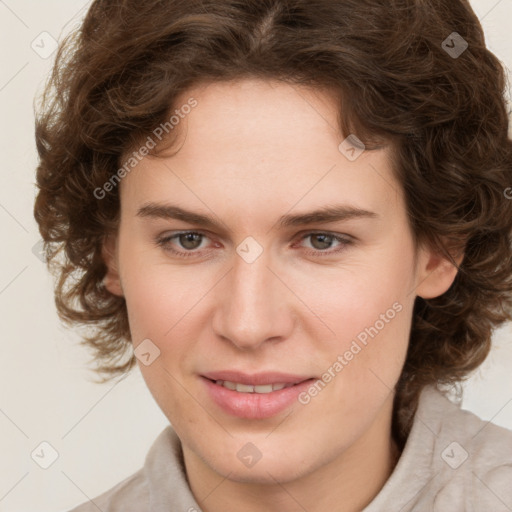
436,274
111,281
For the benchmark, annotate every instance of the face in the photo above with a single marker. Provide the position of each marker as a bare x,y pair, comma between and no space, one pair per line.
263,292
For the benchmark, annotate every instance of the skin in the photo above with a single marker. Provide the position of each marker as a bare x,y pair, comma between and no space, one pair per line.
250,152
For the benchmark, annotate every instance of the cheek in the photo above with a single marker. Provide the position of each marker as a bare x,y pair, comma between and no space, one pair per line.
163,306
373,294
150,306
157,310
156,294
370,310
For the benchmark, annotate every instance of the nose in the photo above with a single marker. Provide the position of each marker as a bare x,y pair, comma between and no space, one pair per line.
253,304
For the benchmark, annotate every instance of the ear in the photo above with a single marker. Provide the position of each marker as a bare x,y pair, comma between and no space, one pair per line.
435,272
109,252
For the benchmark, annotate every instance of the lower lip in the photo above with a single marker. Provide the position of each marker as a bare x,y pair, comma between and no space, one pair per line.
255,406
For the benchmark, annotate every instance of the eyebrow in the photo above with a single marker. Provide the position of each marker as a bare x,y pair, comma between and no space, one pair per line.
326,214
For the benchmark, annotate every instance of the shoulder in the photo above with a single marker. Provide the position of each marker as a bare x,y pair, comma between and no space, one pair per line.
129,494
488,444
472,458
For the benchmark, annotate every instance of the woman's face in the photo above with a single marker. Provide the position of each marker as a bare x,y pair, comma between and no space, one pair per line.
265,291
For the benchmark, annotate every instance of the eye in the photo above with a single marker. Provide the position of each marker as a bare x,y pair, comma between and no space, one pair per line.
190,241
322,241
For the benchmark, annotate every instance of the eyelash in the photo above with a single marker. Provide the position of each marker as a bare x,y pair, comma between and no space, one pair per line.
164,241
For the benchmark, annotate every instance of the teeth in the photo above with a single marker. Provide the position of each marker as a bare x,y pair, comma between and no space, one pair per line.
229,385
246,388
277,387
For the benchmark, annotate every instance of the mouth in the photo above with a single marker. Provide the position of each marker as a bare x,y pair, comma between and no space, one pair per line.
249,398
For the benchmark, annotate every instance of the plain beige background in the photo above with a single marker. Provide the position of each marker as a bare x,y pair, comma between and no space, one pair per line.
100,433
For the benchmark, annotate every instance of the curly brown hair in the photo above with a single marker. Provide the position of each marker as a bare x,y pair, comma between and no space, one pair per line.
402,76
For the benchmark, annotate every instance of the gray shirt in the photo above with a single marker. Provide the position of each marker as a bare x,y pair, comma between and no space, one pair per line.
452,461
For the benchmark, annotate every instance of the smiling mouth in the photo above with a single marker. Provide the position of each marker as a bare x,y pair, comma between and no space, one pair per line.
259,397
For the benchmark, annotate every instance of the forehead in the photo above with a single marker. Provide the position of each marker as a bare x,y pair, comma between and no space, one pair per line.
259,118
254,142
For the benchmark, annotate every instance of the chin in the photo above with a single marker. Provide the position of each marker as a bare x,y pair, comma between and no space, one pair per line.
272,467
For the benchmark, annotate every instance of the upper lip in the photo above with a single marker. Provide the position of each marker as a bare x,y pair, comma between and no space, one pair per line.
256,379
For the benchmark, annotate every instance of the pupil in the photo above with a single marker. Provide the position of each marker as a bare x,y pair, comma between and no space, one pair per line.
189,238
325,243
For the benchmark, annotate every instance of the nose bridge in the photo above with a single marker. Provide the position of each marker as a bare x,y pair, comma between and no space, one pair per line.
251,308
